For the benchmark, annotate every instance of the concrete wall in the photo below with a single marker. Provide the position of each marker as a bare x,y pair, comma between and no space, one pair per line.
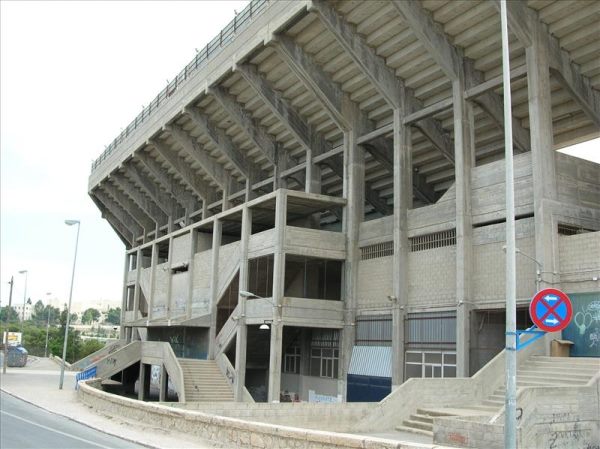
161,279
232,432
580,262
432,277
181,249
375,282
578,181
489,261
201,283
553,417
302,384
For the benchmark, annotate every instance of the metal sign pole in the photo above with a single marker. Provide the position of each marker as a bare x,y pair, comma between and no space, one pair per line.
510,414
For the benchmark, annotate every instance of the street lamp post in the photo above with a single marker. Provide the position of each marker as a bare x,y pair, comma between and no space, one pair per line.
24,301
64,354
47,325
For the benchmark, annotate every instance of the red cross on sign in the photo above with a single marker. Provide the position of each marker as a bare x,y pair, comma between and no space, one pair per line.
551,310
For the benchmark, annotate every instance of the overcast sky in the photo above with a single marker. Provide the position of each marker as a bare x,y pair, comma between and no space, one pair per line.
73,74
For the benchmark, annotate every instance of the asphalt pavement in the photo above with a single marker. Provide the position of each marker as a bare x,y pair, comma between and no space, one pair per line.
37,384
25,426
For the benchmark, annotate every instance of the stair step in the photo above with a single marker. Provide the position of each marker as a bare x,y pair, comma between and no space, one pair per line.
483,408
550,381
421,418
491,403
418,424
548,373
567,361
429,433
433,412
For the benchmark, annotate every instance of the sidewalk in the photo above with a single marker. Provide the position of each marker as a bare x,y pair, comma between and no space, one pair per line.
37,383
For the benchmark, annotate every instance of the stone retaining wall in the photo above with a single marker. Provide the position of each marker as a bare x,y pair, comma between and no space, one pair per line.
230,432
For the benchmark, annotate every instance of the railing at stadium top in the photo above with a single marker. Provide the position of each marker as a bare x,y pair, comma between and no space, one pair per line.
226,36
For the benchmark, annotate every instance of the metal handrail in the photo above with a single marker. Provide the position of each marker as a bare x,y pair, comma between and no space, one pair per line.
220,41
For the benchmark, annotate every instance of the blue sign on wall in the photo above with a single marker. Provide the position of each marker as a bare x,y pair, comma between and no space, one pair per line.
584,329
84,375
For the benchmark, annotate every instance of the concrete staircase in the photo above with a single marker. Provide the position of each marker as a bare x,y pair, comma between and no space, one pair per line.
204,382
537,371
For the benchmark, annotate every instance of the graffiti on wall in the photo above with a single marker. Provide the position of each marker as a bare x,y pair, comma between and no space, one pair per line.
584,329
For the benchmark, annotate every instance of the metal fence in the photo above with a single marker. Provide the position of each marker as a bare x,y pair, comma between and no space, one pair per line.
214,47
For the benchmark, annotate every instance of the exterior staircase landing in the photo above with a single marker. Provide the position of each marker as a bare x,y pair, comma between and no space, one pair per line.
537,371
204,382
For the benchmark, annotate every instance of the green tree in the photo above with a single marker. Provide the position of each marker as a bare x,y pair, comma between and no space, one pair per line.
88,347
90,315
10,313
37,314
113,316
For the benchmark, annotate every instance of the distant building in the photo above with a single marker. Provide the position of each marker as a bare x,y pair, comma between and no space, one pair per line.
19,309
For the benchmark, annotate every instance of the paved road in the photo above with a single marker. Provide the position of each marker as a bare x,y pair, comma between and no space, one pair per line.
27,426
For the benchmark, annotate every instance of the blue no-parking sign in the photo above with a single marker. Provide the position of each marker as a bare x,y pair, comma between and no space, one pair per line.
551,310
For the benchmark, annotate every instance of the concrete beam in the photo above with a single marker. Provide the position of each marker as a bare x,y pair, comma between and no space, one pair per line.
313,77
371,196
223,142
371,65
244,120
379,74
332,97
168,183
519,20
281,108
431,35
120,214
570,78
144,221
434,132
382,150
215,170
163,200
189,176
451,60
143,202
126,235
525,24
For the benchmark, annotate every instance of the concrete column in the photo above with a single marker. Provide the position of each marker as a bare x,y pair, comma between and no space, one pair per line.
205,212
542,155
242,328
463,155
190,295
153,264
278,181
169,280
164,384
226,193
354,192
214,286
402,202
278,290
124,297
137,292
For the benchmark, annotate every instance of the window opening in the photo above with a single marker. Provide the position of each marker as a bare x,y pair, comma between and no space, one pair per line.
377,250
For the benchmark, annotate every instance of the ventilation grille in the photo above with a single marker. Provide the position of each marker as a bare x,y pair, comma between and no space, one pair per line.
378,250
431,241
